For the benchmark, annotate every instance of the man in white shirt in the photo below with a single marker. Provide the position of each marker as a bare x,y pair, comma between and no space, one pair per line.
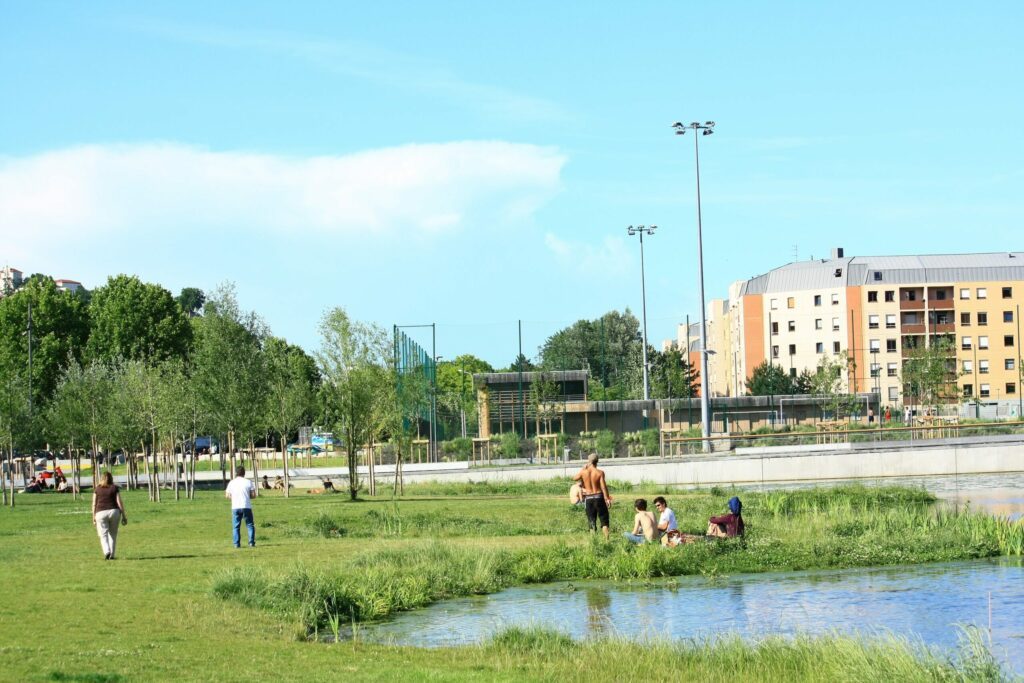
240,490
667,519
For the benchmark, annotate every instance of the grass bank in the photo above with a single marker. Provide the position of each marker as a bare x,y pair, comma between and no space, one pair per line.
841,527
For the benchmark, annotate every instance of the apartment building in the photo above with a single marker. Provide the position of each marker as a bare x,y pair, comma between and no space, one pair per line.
876,309
10,279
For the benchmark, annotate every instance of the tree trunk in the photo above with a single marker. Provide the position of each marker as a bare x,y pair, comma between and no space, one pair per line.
370,472
255,466
11,451
284,465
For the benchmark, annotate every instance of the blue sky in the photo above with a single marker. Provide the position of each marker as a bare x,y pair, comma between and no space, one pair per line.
474,164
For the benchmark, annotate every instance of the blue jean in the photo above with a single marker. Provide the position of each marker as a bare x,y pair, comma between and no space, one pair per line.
635,538
237,517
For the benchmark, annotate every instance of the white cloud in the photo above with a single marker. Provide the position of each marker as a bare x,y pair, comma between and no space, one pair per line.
607,258
129,190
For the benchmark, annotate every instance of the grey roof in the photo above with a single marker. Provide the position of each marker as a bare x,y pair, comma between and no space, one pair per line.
860,270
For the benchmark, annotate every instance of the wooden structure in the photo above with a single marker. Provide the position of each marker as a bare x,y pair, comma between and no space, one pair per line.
547,448
420,450
481,451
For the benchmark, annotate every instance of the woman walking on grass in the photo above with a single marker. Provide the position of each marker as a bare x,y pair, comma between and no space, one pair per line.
107,513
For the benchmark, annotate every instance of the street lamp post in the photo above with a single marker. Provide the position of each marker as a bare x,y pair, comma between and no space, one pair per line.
640,230
706,128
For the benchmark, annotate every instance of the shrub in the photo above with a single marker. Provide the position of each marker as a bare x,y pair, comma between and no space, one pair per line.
510,445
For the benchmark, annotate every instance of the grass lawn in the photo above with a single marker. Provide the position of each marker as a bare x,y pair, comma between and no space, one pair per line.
181,603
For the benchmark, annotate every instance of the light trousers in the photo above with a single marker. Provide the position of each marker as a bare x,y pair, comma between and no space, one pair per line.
107,522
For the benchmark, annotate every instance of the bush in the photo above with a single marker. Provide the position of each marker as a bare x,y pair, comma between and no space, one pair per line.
510,445
605,443
461,447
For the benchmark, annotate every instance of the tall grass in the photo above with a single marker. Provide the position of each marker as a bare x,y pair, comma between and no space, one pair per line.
553,655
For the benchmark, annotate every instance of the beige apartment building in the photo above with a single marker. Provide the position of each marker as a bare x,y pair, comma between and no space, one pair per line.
876,309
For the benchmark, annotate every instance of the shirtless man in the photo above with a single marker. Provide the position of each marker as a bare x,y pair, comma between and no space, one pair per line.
595,494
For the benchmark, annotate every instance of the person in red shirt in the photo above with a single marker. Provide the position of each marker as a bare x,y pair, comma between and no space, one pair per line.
730,525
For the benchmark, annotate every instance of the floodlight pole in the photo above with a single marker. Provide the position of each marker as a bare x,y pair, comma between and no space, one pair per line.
706,128
640,230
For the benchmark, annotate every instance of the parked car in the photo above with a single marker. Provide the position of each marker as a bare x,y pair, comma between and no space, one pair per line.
203,445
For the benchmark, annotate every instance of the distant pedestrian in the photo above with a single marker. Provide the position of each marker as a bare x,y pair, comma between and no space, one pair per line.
888,414
871,415
906,415
240,490
107,513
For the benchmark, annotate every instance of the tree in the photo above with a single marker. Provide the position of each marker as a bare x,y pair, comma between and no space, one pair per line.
804,382
60,327
14,421
228,365
929,373
671,375
829,383
769,379
134,320
354,361
290,378
455,387
609,347
191,301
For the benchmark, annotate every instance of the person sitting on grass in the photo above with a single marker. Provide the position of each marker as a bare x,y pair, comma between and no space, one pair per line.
644,528
730,525
265,483
279,483
576,494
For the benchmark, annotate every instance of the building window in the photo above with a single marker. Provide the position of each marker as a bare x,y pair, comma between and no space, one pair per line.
890,295
982,292
911,295
891,369
1008,340
792,372
982,319
894,394
775,304
890,321
1007,316
792,349
819,347
872,322
1011,388
876,369
817,299
835,324
775,352
790,302
983,342
835,347
983,367
890,345
775,329
792,326
984,391
874,346
965,319
968,367
940,295
1009,363
817,323
965,343
965,293
1007,292
872,297
968,390
878,276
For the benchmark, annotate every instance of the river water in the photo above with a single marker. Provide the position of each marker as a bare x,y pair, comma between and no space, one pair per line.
925,602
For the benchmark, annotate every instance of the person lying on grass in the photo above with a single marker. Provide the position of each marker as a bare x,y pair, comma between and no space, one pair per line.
730,525
644,528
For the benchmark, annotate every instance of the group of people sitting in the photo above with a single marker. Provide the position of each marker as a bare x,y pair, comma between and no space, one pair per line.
278,484
666,529
39,483
591,490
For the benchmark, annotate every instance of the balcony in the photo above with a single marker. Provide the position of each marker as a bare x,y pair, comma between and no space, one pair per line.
912,329
915,305
937,328
940,304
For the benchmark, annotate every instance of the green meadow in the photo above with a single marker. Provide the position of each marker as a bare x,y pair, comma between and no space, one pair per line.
181,603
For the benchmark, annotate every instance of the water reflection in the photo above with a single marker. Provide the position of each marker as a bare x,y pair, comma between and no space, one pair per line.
927,601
